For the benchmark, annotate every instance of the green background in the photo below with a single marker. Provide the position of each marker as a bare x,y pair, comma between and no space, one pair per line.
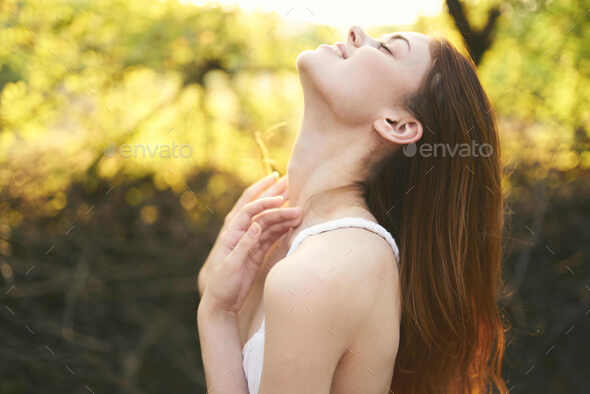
100,247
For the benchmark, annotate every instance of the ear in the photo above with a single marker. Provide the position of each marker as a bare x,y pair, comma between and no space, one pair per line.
399,127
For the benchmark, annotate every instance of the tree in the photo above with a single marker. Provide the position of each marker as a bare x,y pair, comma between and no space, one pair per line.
478,41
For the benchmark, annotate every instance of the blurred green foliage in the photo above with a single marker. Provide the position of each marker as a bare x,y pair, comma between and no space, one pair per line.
81,78
103,225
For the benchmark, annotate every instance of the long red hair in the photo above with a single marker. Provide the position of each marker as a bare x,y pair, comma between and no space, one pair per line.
446,212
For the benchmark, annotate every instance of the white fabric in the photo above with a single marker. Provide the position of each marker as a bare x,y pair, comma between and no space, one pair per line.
253,351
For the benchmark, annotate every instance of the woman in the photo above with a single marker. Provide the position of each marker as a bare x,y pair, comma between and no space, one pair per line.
344,311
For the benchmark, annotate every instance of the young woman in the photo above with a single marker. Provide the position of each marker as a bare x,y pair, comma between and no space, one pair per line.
334,306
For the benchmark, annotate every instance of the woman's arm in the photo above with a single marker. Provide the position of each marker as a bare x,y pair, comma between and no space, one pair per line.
268,186
249,235
221,350
201,280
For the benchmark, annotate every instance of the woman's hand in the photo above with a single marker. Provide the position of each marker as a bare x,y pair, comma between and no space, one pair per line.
250,233
267,186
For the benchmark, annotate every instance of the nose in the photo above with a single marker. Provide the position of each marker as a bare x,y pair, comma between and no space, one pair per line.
357,37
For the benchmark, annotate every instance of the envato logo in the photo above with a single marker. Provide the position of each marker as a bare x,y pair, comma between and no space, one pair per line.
449,150
164,151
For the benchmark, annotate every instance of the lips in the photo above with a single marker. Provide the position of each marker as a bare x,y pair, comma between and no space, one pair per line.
342,49
331,48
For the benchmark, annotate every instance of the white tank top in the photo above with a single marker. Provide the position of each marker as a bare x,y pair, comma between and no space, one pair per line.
253,351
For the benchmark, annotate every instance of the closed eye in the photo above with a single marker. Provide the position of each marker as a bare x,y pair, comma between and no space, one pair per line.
381,45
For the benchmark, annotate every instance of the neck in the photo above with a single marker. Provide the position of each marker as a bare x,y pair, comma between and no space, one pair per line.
326,160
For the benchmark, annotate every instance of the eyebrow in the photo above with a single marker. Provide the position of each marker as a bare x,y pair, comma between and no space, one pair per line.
399,36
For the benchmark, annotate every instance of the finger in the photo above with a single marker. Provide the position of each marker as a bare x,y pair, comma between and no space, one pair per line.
243,219
250,193
275,231
270,235
241,258
274,215
241,254
278,188
238,225
286,192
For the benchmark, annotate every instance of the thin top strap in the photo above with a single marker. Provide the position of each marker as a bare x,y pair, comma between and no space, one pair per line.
331,225
346,222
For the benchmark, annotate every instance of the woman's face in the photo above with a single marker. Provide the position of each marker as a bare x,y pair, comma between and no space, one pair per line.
362,79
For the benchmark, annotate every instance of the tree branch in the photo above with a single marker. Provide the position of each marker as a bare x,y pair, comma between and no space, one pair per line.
477,41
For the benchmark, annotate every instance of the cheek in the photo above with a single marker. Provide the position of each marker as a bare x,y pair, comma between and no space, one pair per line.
364,85
367,75
379,80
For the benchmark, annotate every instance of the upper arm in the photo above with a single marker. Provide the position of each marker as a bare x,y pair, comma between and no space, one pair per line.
314,302
202,280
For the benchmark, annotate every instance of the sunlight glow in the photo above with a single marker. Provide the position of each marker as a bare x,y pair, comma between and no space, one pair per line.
338,13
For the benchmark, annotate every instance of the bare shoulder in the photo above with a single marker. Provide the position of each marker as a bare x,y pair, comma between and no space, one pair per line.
336,275
349,252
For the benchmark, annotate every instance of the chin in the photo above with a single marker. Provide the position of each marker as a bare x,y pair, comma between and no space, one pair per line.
315,69
307,70
314,66
304,59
